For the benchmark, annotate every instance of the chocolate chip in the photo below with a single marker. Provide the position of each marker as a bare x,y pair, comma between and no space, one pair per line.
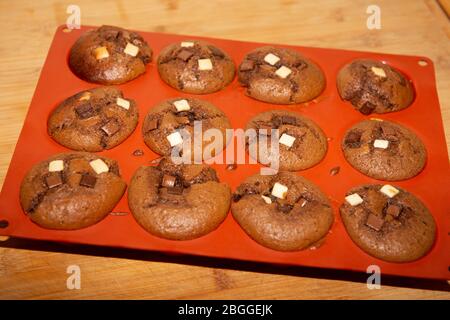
334,171
175,190
84,110
88,180
53,180
353,139
277,121
285,208
367,108
138,153
111,127
393,210
152,125
216,52
236,197
289,120
247,65
374,222
184,55
231,166
168,181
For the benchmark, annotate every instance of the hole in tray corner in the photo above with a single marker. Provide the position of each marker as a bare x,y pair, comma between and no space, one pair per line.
422,63
4,224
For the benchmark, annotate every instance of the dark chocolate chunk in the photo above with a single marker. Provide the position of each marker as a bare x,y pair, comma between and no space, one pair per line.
216,52
353,139
289,120
111,127
88,180
152,125
393,210
236,197
334,171
168,181
367,108
84,110
53,180
247,65
285,208
184,55
374,222
175,190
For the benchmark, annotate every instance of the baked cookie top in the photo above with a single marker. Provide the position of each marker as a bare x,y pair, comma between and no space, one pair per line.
109,55
178,201
93,120
280,76
302,143
374,87
71,190
384,150
283,212
195,66
388,222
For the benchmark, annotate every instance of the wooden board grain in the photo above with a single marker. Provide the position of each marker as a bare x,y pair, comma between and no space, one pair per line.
38,271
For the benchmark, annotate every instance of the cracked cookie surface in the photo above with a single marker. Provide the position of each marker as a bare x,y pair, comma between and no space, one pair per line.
180,66
109,55
178,202
397,229
309,147
374,87
264,75
75,196
93,120
165,119
402,157
302,218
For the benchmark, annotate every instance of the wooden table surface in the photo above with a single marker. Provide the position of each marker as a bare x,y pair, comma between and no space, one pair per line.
38,270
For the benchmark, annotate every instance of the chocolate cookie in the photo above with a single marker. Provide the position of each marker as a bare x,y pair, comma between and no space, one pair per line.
93,120
302,143
374,87
388,222
281,76
109,55
195,66
384,150
166,125
71,191
283,212
178,202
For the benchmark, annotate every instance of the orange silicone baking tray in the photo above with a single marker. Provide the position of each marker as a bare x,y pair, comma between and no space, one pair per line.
57,82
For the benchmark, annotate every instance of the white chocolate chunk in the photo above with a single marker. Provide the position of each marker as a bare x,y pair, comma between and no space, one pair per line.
182,105
379,72
187,44
287,140
205,64
381,144
85,96
123,103
354,199
175,138
283,72
101,53
389,190
279,190
131,49
266,199
271,59
56,165
99,166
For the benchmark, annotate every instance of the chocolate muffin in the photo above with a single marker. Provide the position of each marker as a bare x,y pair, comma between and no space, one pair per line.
284,212
280,76
71,191
178,202
93,120
384,150
195,66
109,55
388,222
168,124
302,144
374,87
